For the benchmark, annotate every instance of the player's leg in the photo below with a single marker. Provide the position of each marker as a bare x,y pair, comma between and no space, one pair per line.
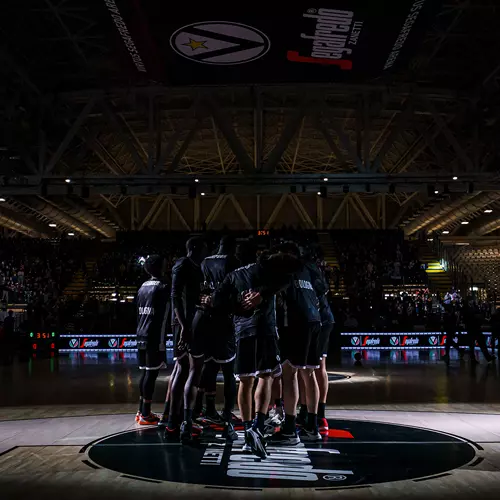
190,390
176,394
288,434
147,417
209,383
229,400
322,377
302,415
166,409
141,393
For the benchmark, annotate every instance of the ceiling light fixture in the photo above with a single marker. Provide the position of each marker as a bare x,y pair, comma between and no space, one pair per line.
446,231
325,179
464,222
71,234
2,200
455,178
488,211
67,181
52,225
197,180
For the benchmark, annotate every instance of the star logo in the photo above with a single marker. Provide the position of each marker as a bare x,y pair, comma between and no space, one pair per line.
195,44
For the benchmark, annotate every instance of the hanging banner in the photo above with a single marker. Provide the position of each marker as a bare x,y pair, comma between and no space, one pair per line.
210,43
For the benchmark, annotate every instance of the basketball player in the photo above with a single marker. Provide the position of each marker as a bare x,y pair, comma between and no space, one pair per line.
153,310
257,354
327,324
299,352
187,279
220,348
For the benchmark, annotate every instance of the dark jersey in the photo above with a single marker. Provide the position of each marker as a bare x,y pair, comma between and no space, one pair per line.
187,279
153,311
216,267
322,287
301,299
262,319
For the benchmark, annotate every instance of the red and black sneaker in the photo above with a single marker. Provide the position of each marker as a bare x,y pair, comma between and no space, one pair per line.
138,416
323,426
151,419
173,435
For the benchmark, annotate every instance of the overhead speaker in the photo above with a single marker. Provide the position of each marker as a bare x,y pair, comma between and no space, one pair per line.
192,192
223,190
69,189
368,188
345,188
303,188
392,188
293,189
430,190
470,188
322,191
43,188
173,189
123,190
85,192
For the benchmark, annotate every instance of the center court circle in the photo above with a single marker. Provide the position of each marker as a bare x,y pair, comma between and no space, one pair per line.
354,453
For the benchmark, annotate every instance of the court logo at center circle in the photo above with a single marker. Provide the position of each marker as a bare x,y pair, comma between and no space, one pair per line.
220,43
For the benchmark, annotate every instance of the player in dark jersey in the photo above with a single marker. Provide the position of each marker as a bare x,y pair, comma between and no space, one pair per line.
257,353
220,345
327,324
153,310
299,351
187,280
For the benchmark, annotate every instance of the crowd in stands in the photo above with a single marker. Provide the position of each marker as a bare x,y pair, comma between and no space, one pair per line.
35,273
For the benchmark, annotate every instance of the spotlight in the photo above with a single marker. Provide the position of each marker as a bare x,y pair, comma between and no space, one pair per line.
436,191
487,211
392,188
446,231
52,225
67,181
470,188
2,200
464,222
325,179
319,194
322,191
202,194
197,180
71,234
345,188
455,178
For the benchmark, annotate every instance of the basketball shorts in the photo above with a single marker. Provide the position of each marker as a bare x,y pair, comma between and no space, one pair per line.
299,345
220,343
324,339
258,355
151,357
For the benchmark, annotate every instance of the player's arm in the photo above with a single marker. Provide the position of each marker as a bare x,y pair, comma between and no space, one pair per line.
179,277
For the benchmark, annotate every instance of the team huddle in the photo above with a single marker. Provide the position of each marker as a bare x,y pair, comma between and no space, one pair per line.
266,323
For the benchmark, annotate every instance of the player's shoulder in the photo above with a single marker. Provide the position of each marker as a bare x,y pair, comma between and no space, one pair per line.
182,262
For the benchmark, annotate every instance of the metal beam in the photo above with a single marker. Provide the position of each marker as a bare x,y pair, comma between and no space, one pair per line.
399,127
151,212
364,209
276,211
339,155
219,204
289,130
467,162
159,211
178,213
319,212
258,130
151,132
118,126
84,113
301,211
113,211
232,139
337,213
240,212
184,146
359,212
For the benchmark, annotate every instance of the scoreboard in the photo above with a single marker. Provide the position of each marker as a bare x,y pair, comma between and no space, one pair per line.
43,341
402,340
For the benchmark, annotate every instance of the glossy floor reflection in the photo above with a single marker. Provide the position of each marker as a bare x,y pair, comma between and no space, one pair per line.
402,424
384,378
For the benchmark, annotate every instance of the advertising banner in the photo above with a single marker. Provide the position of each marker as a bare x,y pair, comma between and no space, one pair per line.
403,340
211,43
100,343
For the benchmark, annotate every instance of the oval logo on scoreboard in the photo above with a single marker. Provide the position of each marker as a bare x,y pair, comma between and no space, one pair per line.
220,43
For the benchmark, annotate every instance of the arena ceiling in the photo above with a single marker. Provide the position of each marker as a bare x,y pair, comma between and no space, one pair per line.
141,131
